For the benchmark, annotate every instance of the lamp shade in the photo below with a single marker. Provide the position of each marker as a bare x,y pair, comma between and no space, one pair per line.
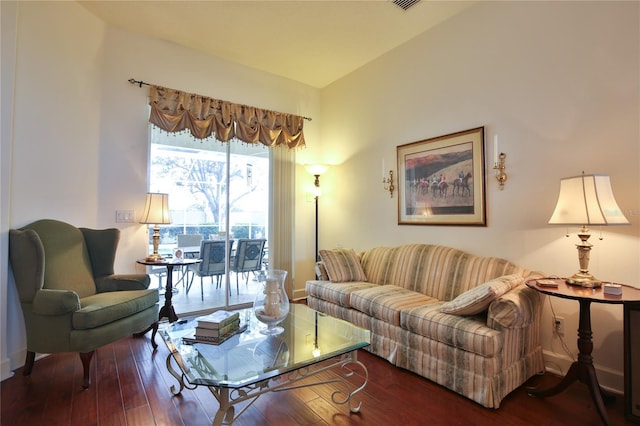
316,169
587,200
156,209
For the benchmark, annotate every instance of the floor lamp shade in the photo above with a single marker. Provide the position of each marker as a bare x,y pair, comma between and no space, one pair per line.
156,212
586,200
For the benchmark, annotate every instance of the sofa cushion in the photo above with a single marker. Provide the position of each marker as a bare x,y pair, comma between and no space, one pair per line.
338,293
385,302
437,271
342,265
469,333
478,299
103,308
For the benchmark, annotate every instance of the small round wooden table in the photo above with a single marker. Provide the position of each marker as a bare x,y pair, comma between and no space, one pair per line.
167,310
583,369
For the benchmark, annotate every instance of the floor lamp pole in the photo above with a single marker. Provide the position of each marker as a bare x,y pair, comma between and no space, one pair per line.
317,253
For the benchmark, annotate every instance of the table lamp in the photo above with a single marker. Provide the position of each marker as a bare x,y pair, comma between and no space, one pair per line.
156,212
586,200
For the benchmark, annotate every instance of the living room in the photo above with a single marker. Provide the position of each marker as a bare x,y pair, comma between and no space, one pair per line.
556,81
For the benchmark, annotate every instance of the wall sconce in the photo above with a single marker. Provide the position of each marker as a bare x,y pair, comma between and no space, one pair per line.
387,183
498,163
501,176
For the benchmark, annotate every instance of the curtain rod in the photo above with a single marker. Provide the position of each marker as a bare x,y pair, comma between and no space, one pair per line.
141,83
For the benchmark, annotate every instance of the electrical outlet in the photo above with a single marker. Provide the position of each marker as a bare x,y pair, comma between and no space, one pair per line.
558,326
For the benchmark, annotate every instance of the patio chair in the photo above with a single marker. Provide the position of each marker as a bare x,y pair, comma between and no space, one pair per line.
248,258
187,244
214,260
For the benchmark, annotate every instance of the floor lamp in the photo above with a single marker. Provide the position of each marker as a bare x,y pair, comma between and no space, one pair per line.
316,170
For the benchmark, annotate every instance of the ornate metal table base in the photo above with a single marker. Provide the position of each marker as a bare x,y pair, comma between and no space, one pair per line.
229,397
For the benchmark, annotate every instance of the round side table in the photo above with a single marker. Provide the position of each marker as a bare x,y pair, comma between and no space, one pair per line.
167,310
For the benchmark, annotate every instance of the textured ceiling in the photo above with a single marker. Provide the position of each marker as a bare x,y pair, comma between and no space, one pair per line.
313,42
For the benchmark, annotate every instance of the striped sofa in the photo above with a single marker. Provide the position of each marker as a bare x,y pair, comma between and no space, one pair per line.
465,322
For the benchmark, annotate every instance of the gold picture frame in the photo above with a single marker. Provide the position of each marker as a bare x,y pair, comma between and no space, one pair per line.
441,181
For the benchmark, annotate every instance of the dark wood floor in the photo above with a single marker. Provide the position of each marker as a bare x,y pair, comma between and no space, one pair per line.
130,386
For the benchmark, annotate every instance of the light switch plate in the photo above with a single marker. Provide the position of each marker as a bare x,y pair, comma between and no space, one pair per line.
125,216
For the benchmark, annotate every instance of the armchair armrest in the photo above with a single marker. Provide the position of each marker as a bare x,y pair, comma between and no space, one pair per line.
122,282
517,308
55,302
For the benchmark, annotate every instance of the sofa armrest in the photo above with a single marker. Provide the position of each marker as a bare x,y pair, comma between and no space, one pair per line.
517,308
55,302
122,282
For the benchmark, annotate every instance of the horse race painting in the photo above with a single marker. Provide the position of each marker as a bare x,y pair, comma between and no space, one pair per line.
441,180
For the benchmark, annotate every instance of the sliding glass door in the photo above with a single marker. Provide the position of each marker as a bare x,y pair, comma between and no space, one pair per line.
217,192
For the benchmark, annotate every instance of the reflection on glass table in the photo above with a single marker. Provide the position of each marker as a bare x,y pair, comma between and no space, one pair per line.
249,364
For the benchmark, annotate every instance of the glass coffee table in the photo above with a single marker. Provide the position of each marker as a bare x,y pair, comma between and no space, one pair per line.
250,363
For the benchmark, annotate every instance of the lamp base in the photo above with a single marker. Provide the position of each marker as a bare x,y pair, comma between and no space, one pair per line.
584,279
155,257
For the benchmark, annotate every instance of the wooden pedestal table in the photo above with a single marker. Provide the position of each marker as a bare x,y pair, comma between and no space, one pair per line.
167,311
583,370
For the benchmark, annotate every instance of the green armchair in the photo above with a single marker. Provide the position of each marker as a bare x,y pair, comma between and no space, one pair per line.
71,299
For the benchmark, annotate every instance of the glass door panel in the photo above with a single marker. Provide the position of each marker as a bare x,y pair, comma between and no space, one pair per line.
248,217
217,191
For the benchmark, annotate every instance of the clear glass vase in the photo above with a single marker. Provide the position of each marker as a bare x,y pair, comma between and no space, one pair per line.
271,305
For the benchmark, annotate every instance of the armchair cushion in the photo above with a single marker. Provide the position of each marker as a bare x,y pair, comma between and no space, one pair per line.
68,266
101,245
104,308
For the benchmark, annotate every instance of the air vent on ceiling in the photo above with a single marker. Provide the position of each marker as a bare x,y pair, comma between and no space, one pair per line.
405,4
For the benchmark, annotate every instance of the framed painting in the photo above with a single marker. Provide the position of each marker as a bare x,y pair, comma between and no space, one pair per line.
441,180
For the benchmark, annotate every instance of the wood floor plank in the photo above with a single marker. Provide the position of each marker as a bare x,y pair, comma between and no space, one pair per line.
84,407
110,408
133,395
53,395
156,389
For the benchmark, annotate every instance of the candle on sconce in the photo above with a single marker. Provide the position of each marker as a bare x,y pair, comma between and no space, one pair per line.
495,149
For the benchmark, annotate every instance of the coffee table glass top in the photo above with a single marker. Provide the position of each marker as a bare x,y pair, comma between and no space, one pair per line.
249,357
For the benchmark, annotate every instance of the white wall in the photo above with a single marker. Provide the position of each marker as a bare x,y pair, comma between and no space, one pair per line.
79,143
559,83
7,75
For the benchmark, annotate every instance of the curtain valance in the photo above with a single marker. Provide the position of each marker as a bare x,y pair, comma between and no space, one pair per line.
175,111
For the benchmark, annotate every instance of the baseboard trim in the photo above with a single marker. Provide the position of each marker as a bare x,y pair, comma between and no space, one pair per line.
609,379
299,294
5,369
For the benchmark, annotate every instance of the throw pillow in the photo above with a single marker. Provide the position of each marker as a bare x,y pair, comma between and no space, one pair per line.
478,299
342,265
321,272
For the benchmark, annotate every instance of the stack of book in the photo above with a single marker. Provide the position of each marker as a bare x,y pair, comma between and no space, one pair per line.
217,327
